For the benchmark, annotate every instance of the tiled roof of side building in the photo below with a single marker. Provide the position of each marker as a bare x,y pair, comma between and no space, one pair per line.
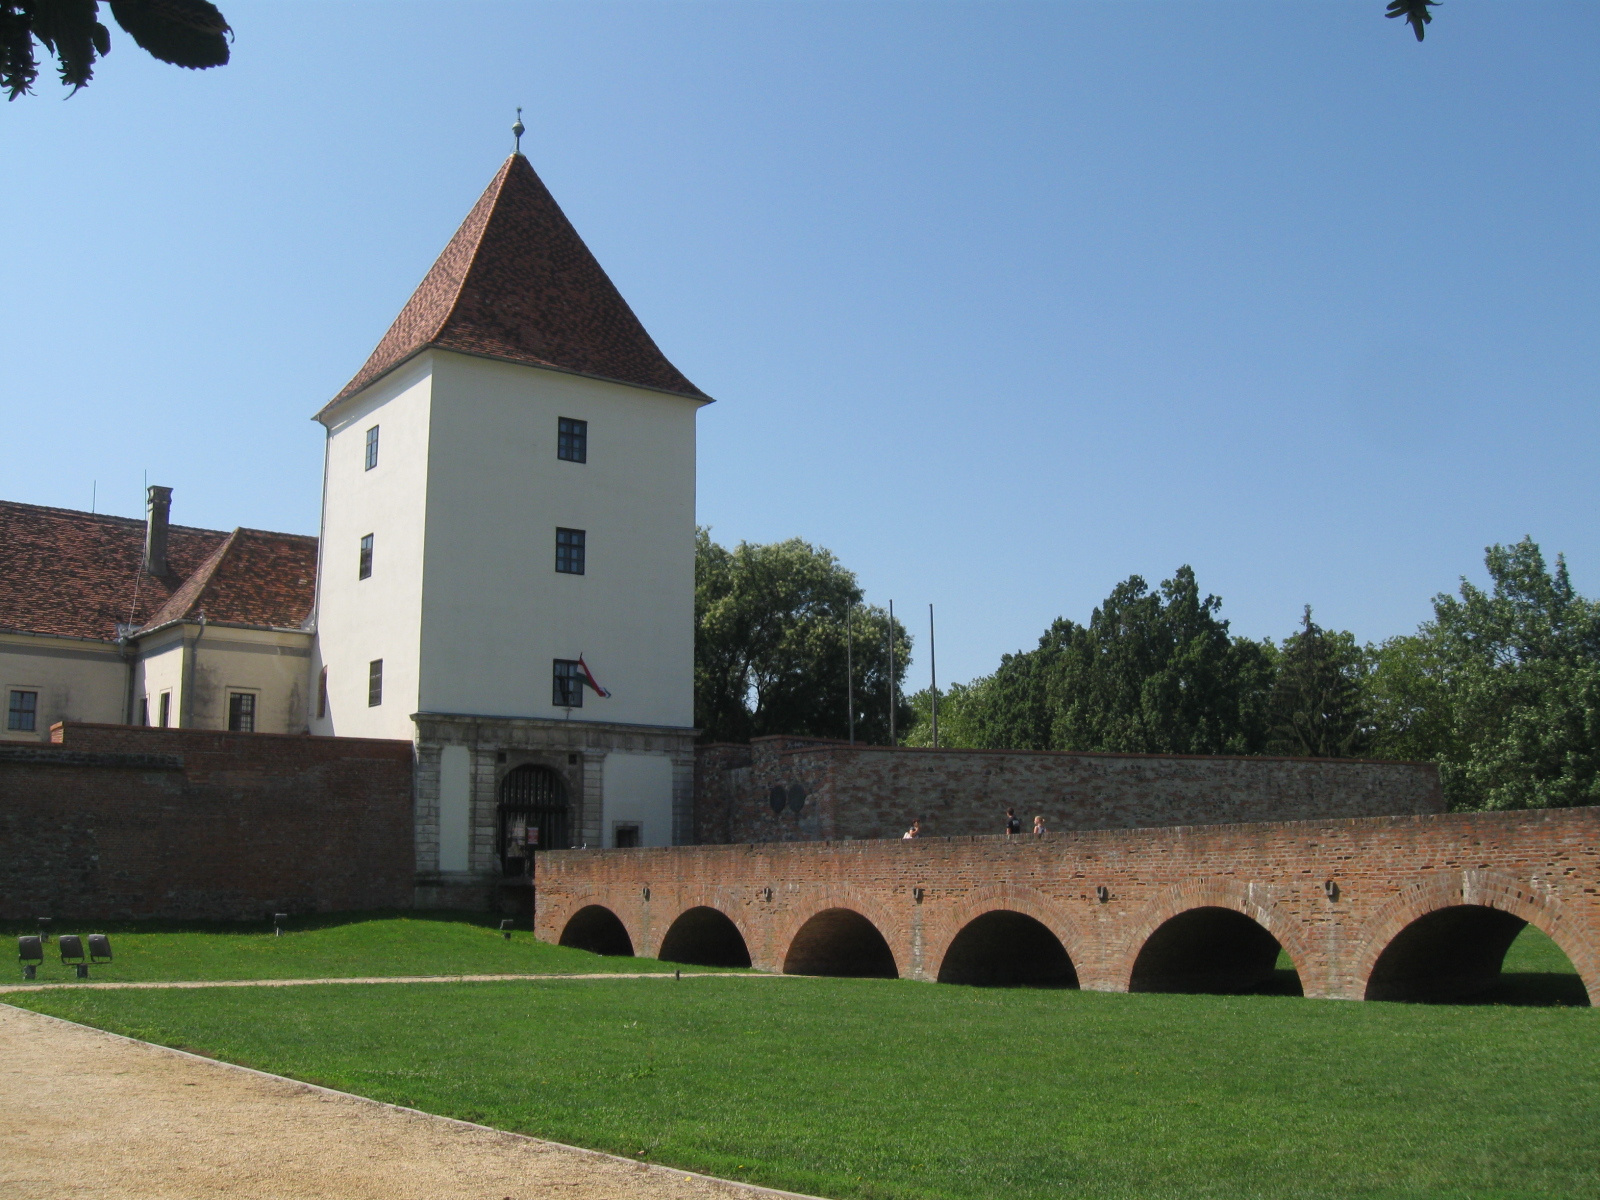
78,574
517,283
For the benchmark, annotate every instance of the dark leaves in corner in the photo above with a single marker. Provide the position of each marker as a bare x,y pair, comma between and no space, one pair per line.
1415,13
185,33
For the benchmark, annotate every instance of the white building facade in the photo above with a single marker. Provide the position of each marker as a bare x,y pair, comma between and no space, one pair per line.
508,521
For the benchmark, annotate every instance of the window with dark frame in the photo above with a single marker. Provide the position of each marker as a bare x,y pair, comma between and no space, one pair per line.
242,712
569,551
366,558
625,837
568,684
375,683
322,692
372,447
144,710
23,716
572,440
166,710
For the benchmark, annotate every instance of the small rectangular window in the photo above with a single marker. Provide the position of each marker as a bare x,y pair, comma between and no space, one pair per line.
375,683
242,712
24,714
572,440
366,557
568,689
569,551
322,692
625,836
166,710
372,447
144,710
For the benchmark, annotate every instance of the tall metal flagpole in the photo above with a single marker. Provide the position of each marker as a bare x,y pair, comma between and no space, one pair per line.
891,673
933,680
850,671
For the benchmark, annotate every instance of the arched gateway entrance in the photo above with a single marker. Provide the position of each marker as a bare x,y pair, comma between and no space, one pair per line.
533,800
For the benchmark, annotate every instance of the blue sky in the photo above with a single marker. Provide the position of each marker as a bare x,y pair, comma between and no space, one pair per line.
1001,302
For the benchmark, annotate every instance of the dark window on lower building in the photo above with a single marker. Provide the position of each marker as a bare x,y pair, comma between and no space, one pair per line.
572,439
568,689
24,713
366,557
625,836
322,692
375,683
242,712
144,710
569,551
166,709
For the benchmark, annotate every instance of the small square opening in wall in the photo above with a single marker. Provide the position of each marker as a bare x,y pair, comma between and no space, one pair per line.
242,712
626,835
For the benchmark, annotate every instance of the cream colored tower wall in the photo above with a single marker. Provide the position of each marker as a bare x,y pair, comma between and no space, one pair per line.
76,680
360,620
495,612
637,790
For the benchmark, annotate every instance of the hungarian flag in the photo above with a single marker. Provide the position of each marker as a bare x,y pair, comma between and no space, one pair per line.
588,677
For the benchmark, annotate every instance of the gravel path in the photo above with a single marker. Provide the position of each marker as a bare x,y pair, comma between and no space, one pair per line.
85,1113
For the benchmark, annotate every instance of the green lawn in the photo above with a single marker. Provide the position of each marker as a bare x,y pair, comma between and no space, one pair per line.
322,948
895,1089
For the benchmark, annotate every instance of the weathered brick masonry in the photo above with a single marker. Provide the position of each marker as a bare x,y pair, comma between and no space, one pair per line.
799,789
1445,894
121,822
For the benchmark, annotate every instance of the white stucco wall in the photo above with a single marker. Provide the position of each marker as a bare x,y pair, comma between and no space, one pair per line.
359,620
77,680
160,668
220,660
495,612
637,789
455,808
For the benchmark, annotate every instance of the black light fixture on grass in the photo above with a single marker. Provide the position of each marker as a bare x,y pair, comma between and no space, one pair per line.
505,928
279,920
30,951
44,929
72,954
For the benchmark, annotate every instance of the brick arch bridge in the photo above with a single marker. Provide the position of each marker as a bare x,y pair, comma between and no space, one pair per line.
1376,907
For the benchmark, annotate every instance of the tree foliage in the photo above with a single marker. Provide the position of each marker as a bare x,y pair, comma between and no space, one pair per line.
186,33
1318,709
1502,688
770,645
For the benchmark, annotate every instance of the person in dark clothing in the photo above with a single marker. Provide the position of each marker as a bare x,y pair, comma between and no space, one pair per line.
1013,824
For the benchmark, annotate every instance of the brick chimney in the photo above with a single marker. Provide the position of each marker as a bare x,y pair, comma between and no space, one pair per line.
157,506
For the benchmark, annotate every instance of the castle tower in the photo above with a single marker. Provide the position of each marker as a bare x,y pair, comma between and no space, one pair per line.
507,536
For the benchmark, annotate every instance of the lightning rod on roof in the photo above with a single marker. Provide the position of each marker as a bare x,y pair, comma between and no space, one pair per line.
517,131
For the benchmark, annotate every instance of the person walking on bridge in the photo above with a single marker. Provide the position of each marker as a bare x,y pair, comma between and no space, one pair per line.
1013,823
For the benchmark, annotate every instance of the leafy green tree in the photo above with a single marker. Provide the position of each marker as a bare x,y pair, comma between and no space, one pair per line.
1318,706
770,645
1153,672
186,33
1407,700
1520,667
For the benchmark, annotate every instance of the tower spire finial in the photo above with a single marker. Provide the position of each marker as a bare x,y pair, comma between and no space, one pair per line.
517,131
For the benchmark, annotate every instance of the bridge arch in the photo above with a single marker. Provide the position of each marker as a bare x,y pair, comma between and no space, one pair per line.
595,928
705,936
840,940
1008,935
1214,935
1447,936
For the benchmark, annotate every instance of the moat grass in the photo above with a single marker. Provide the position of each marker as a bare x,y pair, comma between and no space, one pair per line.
887,1089
321,947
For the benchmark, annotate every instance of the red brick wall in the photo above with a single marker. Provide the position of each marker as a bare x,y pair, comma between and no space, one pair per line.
875,791
116,822
1541,866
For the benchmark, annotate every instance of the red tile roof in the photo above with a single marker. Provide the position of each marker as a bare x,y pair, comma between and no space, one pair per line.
517,283
78,574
